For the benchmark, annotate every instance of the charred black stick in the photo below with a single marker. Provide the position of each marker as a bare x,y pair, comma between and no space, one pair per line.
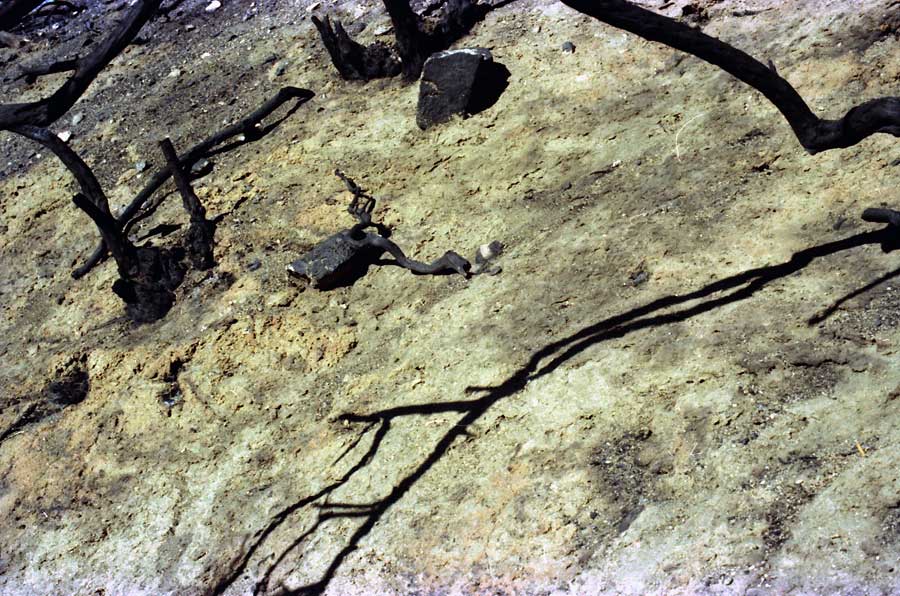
245,126
815,134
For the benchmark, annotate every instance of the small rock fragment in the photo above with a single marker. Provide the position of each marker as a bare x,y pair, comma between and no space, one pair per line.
568,47
254,265
213,6
77,118
140,166
201,168
486,252
282,298
64,136
483,257
279,69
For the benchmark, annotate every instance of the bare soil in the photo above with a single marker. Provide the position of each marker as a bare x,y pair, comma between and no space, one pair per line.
684,381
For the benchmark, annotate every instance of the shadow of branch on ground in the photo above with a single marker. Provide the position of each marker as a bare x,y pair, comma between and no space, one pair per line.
719,293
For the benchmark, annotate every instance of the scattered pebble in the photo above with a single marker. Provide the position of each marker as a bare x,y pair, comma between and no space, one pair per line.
64,136
282,298
568,47
213,6
175,73
77,118
254,265
140,166
486,252
201,166
279,69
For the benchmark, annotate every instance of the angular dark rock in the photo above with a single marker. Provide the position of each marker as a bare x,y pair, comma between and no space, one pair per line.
334,262
459,82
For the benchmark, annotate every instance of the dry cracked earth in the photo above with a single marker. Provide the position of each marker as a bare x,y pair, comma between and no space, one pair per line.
683,381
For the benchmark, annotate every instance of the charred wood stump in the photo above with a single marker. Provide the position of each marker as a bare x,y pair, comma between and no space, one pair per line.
417,38
148,286
148,276
354,61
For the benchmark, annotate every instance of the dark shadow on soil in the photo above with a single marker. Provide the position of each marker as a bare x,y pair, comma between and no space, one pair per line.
725,291
69,389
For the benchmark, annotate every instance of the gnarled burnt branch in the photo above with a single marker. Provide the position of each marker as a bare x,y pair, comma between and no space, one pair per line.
246,126
93,201
46,111
450,261
31,72
814,133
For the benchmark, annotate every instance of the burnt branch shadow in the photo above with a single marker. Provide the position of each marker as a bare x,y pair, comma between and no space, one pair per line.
240,563
729,290
825,314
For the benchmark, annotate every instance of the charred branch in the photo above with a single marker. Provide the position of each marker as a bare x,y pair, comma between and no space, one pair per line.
450,261
93,200
32,72
247,126
199,240
46,111
12,12
417,38
882,215
10,41
354,61
814,133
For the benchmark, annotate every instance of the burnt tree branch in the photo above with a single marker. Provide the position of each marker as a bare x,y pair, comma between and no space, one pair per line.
46,111
248,126
199,241
12,12
31,72
91,190
814,133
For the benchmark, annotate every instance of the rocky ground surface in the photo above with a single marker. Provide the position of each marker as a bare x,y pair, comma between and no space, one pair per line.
684,381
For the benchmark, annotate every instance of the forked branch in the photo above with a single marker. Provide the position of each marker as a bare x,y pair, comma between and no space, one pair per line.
814,133
247,126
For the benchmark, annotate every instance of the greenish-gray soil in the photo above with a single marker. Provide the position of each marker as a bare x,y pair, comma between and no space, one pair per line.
683,381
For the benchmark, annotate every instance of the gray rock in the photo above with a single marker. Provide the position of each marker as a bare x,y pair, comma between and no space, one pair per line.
278,70
330,263
458,82
568,47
